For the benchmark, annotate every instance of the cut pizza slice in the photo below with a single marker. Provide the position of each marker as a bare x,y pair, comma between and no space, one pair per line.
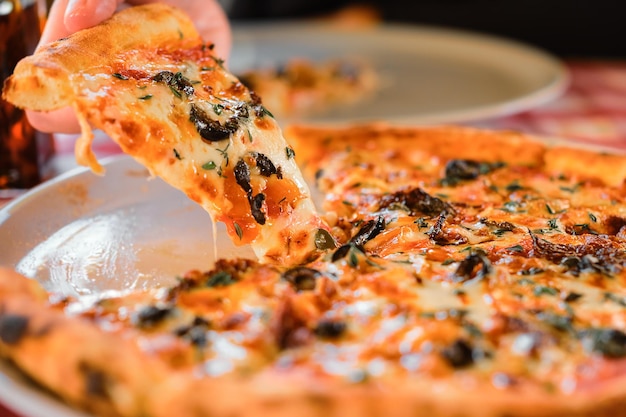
147,79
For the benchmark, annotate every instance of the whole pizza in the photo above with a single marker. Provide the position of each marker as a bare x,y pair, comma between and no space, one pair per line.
449,271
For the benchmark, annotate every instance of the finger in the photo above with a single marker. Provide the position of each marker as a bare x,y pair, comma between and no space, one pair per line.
57,121
81,14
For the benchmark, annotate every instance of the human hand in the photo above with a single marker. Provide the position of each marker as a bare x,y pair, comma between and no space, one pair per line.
69,16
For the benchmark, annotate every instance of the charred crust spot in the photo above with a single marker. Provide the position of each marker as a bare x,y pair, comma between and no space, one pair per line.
302,278
211,130
458,354
152,315
12,328
417,201
330,329
474,266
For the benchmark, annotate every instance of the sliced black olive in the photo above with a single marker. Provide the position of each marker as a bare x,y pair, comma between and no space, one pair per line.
330,329
12,328
368,231
152,315
242,176
265,165
417,201
459,354
302,278
211,130
473,266
341,252
466,169
256,204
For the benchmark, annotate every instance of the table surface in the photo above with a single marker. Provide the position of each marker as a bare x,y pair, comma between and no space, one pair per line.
591,111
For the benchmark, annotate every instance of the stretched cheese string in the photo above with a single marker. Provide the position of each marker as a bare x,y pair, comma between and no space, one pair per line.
82,149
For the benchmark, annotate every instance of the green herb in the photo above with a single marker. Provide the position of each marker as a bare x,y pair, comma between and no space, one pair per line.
180,34
206,68
347,203
218,61
553,225
249,136
550,209
175,92
238,230
220,279
290,152
146,97
323,240
571,189
511,207
421,223
526,281
615,298
559,322
531,271
353,259
266,112
177,155
515,248
448,262
593,217
224,153
218,108
120,76
209,166
608,342
540,290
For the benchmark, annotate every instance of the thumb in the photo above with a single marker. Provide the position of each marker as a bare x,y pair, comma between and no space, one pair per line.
81,14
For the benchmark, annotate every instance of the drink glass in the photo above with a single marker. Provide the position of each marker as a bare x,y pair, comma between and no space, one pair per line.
24,151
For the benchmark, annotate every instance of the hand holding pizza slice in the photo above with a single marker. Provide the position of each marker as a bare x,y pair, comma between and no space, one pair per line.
146,78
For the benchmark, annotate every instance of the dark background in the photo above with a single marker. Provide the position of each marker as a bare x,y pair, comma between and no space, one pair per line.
574,28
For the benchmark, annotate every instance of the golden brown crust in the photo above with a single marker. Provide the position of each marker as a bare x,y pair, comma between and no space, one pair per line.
42,81
464,143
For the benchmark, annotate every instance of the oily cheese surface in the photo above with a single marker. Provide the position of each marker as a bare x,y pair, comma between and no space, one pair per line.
459,282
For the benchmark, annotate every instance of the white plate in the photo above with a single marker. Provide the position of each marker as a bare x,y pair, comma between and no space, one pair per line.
77,231
429,75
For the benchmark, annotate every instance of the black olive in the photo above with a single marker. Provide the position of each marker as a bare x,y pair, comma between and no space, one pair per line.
459,354
302,278
256,204
417,201
151,315
369,231
474,266
211,130
12,328
265,165
242,176
176,81
330,329
466,169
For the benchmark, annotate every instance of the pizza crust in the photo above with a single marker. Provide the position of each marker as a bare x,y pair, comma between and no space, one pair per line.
41,82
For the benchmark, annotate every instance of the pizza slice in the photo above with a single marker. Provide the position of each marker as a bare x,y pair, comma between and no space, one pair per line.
148,80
